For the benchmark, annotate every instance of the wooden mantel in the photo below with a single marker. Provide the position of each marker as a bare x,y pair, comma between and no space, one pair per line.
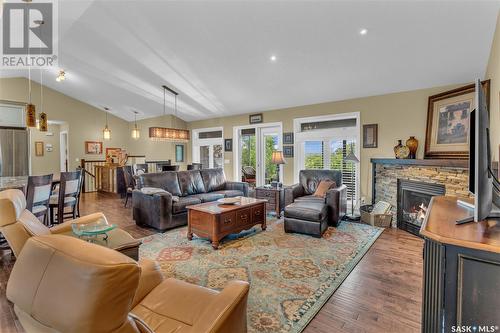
451,163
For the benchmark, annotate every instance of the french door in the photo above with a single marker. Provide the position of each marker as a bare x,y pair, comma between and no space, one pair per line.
211,155
208,147
253,153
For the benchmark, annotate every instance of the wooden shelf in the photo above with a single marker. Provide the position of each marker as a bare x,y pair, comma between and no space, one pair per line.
451,163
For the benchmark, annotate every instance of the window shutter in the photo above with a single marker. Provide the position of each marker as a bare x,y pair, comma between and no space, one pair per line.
313,155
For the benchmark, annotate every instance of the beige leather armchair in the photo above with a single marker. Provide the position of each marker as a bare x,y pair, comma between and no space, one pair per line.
63,284
17,224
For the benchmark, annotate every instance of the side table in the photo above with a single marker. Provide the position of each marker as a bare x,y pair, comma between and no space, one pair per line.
275,198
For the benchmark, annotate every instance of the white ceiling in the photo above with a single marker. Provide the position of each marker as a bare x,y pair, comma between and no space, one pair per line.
216,54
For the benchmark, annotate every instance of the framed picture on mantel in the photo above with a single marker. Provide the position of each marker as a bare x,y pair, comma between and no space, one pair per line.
448,113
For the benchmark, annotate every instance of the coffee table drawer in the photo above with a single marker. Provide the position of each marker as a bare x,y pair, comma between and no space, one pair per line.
227,221
258,214
244,216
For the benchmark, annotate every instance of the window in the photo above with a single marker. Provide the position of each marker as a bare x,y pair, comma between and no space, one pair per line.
324,142
313,155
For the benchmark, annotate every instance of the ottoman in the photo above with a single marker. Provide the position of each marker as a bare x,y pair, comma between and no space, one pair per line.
306,217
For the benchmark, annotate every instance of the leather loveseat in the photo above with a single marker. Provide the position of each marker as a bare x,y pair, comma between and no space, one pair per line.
167,209
64,284
309,214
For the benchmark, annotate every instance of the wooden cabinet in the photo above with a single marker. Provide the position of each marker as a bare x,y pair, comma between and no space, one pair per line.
275,198
461,270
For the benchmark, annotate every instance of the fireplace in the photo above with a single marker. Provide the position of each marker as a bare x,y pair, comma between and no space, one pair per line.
414,198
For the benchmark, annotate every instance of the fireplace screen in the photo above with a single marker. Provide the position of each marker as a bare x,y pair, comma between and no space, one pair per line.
415,206
413,202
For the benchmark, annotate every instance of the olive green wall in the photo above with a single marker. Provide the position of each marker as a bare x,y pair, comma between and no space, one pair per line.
152,149
493,73
85,123
49,162
398,116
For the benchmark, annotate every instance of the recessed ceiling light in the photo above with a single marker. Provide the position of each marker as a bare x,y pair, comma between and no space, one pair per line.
363,32
273,58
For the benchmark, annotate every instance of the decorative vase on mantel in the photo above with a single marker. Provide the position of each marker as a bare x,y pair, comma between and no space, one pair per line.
400,151
412,144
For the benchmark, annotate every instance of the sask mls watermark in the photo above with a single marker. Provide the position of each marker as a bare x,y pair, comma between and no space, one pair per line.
29,34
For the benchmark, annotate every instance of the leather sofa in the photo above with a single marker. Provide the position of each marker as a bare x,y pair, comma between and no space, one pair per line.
167,209
64,284
18,224
306,213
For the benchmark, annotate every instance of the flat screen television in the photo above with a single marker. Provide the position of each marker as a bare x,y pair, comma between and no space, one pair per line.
482,181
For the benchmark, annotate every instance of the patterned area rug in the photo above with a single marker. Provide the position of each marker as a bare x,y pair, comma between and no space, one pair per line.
291,276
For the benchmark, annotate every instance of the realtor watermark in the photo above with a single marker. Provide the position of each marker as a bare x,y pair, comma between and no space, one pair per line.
475,329
29,34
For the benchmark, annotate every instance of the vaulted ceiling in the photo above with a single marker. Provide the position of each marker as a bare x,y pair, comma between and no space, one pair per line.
217,54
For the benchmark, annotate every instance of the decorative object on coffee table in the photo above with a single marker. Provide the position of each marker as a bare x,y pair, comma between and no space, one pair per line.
448,122
401,151
215,221
370,136
412,144
275,198
353,161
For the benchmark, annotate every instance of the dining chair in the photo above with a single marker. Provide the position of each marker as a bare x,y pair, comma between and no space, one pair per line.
38,194
195,166
67,196
170,168
140,168
129,182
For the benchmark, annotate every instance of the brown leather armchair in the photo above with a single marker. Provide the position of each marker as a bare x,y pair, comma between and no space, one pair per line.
335,199
63,284
18,224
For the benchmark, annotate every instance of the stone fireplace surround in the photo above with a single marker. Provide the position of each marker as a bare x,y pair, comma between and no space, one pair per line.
453,174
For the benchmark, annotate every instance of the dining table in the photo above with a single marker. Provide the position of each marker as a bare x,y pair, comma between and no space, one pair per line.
21,182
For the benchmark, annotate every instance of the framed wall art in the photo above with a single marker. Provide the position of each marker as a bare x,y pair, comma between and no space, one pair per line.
38,148
228,145
255,118
370,136
288,138
447,131
93,147
179,153
288,151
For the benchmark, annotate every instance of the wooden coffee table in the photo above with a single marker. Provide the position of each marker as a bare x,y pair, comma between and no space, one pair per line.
214,220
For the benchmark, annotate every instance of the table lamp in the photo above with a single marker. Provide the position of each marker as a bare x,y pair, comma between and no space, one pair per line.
278,159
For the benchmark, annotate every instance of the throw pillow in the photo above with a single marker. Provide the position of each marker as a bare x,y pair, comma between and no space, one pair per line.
323,187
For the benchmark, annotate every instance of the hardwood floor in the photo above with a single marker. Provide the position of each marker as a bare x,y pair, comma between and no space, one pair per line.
382,294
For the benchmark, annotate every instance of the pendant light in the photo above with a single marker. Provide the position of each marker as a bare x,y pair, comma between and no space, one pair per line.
169,134
106,132
43,126
30,108
136,134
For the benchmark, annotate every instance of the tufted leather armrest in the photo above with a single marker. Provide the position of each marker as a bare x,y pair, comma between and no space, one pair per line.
292,192
336,200
241,186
